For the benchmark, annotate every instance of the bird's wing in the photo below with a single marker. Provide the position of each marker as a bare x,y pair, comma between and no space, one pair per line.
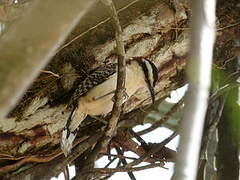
98,76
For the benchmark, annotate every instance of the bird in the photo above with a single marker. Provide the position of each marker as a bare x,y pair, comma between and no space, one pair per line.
94,95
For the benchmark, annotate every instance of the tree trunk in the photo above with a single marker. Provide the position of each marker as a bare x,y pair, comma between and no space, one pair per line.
159,31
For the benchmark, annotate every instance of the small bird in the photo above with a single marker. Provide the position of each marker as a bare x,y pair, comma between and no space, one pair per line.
94,95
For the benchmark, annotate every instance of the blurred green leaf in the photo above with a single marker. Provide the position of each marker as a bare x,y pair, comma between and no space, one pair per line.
219,77
232,111
162,109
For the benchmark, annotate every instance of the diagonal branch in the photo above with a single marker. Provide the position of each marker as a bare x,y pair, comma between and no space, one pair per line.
153,150
57,165
176,107
28,45
121,74
124,162
120,89
125,169
199,77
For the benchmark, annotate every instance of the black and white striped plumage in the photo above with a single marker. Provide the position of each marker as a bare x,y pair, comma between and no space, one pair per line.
151,76
96,77
94,95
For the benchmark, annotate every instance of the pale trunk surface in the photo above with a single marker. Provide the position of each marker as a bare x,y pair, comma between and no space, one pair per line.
32,132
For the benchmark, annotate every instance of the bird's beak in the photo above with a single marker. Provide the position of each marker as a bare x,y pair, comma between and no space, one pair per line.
152,91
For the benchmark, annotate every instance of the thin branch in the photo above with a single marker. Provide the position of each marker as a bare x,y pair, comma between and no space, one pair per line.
229,26
120,89
124,169
199,76
120,79
24,160
138,137
32,159
79,149
110,162
125,141
94,27
50,72
66,173
223,90
20,62
213,124
120,10
157,148
104,178
163,119
119,156
124,162
57,165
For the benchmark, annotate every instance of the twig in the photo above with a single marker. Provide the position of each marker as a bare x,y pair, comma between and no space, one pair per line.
124,169
93,27
57,165
129,120
213,125
79,149
66,173
99,119
120,79
153,150
138,137
119,163
119,156
124,162
121,75
33,159
107,19
110,162
223,90
120,89
50,72
229,26
214,119
25,160
163,119
126,142
105,178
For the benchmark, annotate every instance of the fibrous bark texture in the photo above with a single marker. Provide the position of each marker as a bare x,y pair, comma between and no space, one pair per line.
155,30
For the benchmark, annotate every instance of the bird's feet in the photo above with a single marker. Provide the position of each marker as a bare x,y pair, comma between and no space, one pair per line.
125,96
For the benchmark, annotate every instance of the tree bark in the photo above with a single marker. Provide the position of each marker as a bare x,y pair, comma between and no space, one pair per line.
30,135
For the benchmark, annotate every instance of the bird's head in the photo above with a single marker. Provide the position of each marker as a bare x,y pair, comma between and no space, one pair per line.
151,75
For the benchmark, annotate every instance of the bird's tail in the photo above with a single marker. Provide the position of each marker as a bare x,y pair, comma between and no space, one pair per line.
70,130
